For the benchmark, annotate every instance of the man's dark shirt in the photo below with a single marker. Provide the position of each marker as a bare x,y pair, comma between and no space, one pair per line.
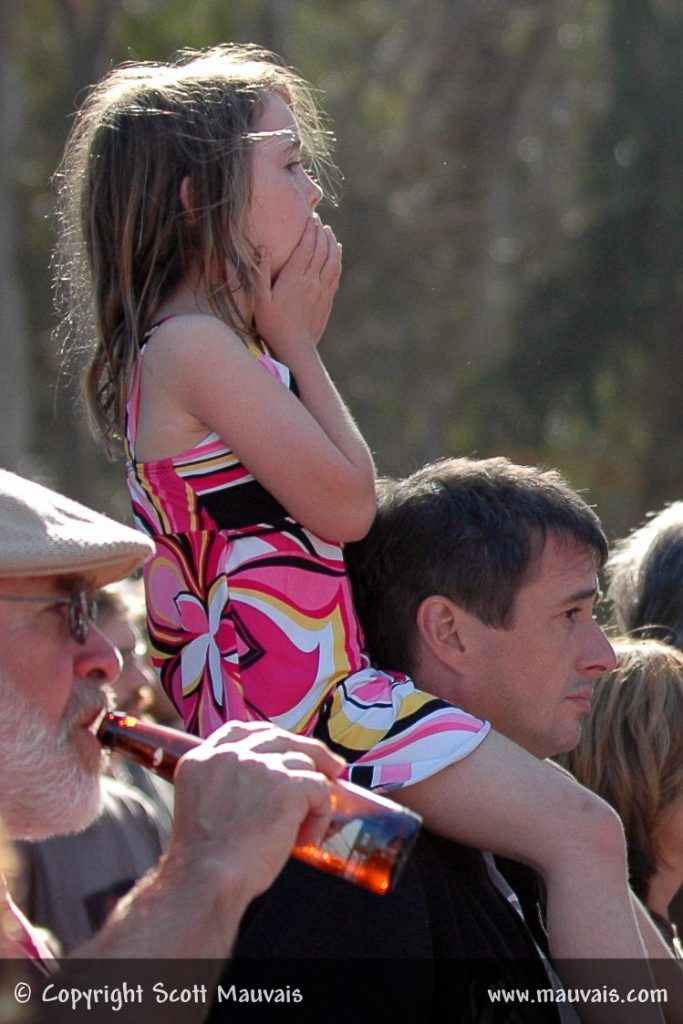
428,952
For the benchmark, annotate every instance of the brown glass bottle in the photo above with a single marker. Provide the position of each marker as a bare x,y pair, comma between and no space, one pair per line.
368,839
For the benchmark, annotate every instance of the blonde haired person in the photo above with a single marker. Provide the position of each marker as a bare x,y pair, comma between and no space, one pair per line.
631,753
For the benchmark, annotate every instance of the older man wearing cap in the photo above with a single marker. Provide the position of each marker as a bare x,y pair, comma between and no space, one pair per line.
242,798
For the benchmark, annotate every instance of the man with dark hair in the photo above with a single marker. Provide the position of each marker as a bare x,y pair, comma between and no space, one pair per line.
472,531
479,578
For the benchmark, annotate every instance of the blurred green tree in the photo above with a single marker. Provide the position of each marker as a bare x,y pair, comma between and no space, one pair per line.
595,363
511,220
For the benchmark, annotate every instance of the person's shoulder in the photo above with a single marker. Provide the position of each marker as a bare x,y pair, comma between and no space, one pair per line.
193,346
182,329
354,955
308,913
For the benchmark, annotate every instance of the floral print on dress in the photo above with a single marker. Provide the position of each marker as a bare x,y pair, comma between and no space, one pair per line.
251,616
193,640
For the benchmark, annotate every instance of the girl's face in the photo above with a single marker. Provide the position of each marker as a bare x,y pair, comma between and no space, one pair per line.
283,196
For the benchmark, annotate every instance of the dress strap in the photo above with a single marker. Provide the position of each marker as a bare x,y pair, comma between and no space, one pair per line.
150,330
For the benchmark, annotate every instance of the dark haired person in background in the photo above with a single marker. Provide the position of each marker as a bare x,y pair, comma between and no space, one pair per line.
645,574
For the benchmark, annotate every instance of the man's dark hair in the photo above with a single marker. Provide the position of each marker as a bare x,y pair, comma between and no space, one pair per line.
470,530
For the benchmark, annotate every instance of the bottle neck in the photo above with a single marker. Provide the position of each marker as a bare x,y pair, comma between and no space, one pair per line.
155,747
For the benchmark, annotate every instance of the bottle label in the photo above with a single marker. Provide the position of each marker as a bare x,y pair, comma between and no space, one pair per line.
369,849
361,835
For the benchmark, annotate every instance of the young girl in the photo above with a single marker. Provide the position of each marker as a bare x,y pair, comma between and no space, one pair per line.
190,229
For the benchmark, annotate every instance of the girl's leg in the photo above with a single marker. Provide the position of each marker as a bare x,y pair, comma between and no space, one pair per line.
501,798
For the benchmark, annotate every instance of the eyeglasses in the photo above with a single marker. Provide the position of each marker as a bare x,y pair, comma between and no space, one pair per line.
82,611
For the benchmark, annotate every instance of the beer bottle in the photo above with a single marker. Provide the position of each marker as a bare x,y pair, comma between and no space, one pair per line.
368,838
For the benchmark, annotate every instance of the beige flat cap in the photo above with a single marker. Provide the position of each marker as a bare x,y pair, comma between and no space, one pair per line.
42,533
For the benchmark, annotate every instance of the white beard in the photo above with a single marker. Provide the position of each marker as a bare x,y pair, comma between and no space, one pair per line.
47,785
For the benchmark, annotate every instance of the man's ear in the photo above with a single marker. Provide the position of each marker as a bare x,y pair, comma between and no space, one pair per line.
438,622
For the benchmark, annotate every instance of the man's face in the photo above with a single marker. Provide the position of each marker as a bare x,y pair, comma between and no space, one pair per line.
534,681
50,694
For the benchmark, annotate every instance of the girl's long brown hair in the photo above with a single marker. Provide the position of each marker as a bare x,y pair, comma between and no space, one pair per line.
125,241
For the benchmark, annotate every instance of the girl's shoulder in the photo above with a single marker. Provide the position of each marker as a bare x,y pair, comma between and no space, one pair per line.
186,342
186,360
177,327
191,353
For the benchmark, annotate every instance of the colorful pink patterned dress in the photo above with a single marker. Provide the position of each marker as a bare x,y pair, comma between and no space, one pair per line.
251,616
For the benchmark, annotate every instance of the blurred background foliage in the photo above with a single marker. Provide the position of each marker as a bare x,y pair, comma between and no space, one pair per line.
512,220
